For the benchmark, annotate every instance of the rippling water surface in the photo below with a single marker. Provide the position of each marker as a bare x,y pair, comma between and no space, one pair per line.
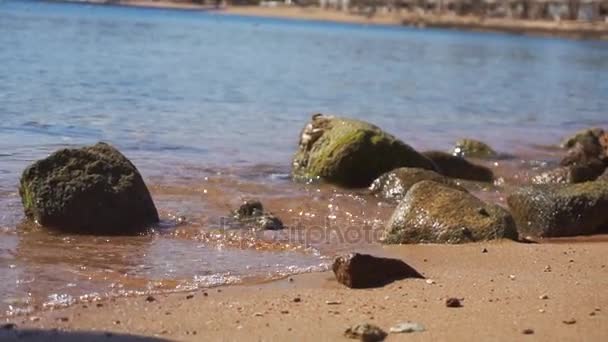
209,108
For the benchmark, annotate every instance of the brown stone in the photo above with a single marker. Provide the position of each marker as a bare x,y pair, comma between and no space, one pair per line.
365,271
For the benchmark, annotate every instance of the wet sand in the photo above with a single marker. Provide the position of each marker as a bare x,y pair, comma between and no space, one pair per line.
556,289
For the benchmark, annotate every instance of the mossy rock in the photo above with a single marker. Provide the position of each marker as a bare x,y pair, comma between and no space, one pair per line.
560,210
458,167
472,148
91,190
394,185
435,213
582,136
350,153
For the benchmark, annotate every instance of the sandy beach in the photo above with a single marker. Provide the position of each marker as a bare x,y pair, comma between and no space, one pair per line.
556,290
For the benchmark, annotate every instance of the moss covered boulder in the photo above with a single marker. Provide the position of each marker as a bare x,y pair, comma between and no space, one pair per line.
474,149
435,213
583,136
91,190
394,185
350,153
560,210
458,167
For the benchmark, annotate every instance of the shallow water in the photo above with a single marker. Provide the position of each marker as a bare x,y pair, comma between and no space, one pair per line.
209,108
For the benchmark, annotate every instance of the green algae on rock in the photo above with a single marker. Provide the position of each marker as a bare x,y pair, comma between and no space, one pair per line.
560,210
394,185
432,212
474,149
458,167
350,152
90,190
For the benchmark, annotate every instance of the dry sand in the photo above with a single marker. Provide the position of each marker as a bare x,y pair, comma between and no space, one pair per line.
502,292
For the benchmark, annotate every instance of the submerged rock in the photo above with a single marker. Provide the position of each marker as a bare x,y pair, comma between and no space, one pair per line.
251,213
473,149
394,185
350,152
435,213
582,136
571,174
365,271
365,332
458,167
90,190
560,210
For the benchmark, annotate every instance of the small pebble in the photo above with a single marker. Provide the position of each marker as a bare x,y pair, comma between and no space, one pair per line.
407,327
63,319
99,305
34,319
116,322
297,300
285,312
205,294
190,296
430,281
541,310
512,277
150,299
547,268
453,303
333,302
544,297
485,250
569,321
366,332
528,332
258,314
592,313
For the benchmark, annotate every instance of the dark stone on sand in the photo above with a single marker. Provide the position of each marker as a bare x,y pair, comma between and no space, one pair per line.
366,271
365,332
251,213
150,299
394,185
90,190
473,149
434,213
458,167
560,210
453,303
350,152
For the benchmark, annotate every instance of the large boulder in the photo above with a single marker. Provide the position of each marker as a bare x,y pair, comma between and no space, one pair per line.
473,149
350,153
583,136
560,210
90,190
394,185
458,167
365,271
434,213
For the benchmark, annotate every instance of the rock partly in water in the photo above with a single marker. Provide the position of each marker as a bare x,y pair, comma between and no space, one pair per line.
251,214
560,210
582,136
434,213
394,185
571,174
365,271
365,332
91,190
458,167
473,149
350,152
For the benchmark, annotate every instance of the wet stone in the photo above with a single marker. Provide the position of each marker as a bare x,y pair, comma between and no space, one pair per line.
365,271
251,214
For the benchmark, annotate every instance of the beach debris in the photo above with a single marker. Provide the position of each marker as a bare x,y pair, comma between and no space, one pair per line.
434,213
394,184
543,297
258,314
90,190
560,210
407,327
453,302
430,281
512,276
333,302
541,310
251,214
150,299
365,271
350,152
569,321
473,149
365,332
458,167
528,331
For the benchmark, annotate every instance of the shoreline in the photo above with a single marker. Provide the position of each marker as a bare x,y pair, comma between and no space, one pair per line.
559,29
553,289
